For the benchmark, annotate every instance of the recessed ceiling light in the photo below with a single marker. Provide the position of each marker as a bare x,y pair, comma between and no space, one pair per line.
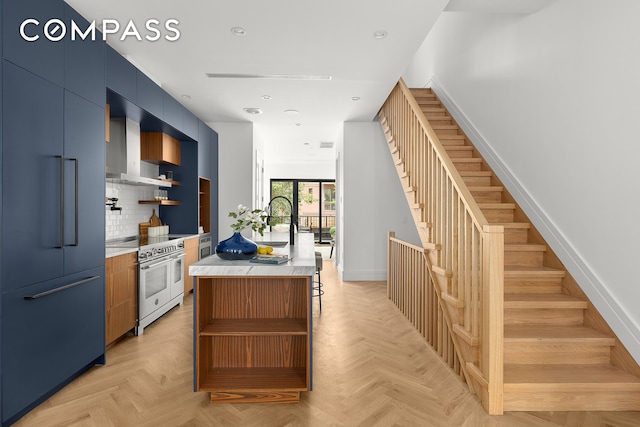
298,124
380,34
238,31
266,97
291,112
355,98
185,96
253,111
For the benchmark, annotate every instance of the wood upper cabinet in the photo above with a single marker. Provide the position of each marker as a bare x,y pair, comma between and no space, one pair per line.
122,295
191,256
159,148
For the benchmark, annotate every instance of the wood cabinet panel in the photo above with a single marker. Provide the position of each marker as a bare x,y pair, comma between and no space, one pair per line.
191,256
122,294
159,148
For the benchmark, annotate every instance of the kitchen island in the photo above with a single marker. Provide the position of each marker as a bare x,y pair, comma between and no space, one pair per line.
252,325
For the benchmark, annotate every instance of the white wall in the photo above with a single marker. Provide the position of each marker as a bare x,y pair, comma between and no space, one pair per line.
372,202
235,171
552,98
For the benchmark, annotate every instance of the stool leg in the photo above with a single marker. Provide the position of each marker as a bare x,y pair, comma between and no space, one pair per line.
319,290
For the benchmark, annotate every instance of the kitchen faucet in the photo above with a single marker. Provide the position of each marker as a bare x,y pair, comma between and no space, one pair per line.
292,220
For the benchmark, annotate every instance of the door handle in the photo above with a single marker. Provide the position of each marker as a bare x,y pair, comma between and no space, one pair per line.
77,165
61,288
61,245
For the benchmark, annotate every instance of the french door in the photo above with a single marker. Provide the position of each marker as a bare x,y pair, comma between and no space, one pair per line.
314,206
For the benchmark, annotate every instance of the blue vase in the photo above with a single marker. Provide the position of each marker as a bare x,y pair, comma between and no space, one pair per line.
236,247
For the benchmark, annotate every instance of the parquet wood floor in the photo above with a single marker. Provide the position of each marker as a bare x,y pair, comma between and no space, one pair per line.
371,368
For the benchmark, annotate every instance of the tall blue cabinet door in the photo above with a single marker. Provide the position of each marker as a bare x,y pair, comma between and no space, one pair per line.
85,62
84,152
32,134
42,56
121,75
51,332
214,186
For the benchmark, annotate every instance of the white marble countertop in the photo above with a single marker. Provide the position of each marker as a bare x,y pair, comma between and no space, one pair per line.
302,260
111,252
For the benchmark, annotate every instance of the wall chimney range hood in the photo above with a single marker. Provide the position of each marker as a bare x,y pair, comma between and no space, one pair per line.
123,155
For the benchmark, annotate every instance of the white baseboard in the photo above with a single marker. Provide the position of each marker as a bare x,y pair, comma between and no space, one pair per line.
625,328
364,275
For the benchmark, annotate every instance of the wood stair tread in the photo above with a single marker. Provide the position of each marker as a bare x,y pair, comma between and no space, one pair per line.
512,225
555,334
458,136
496,205
520,270
458,148
444,127
537,300
466,160
475,173
568,377
520,247
481,188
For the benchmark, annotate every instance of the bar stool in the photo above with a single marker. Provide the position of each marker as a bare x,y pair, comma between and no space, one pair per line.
317,283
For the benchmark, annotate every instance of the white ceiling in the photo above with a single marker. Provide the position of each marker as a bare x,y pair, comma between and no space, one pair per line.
283,37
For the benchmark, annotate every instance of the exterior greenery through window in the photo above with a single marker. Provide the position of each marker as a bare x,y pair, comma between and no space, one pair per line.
314,203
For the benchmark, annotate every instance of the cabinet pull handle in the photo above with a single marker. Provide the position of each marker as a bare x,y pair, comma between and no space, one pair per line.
75,242
61,288
61,245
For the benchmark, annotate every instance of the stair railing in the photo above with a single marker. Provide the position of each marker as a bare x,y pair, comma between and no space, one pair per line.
465,252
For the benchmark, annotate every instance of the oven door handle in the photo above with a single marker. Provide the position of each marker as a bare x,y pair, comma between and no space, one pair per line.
146,267
178,256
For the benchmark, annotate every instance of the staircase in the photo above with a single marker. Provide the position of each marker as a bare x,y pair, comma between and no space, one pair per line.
558,353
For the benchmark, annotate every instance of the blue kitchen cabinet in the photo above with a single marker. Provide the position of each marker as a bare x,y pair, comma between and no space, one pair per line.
179,117
51,332
189,124
121,75
204,150
0,218
52,234
32,137
85,62
84,153
42,56
150,96
173,112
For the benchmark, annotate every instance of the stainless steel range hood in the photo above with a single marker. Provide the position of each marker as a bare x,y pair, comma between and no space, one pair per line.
123,154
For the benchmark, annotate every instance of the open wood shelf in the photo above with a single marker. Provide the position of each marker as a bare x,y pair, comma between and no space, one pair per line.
250,327
255,379
253,338
159,202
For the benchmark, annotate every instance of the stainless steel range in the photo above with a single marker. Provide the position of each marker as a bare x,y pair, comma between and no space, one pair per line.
160,278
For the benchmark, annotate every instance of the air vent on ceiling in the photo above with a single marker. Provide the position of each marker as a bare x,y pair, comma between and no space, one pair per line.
326,144
266,76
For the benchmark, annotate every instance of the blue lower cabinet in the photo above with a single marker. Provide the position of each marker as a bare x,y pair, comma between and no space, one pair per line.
51,333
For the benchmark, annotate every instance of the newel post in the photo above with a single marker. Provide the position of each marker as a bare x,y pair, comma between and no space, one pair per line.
492,352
